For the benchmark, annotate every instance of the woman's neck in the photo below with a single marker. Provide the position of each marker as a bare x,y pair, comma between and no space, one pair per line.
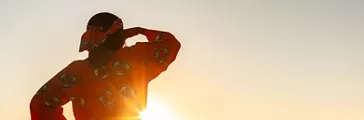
99,59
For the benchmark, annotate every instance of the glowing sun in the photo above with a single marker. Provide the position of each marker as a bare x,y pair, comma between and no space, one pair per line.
156,110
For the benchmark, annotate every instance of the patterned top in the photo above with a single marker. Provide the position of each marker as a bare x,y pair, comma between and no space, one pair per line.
117,90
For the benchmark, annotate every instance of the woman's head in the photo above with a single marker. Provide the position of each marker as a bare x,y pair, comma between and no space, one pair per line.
103,32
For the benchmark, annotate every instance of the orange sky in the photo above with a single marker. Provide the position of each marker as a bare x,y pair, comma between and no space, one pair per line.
240,59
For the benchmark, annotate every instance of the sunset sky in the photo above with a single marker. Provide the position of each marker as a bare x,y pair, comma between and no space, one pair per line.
240,59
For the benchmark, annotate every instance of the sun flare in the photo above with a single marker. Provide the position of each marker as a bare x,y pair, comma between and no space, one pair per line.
156,110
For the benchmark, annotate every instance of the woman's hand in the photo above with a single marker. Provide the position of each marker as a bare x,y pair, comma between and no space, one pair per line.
130,32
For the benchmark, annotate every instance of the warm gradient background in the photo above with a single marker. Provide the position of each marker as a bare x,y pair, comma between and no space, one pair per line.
240,60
